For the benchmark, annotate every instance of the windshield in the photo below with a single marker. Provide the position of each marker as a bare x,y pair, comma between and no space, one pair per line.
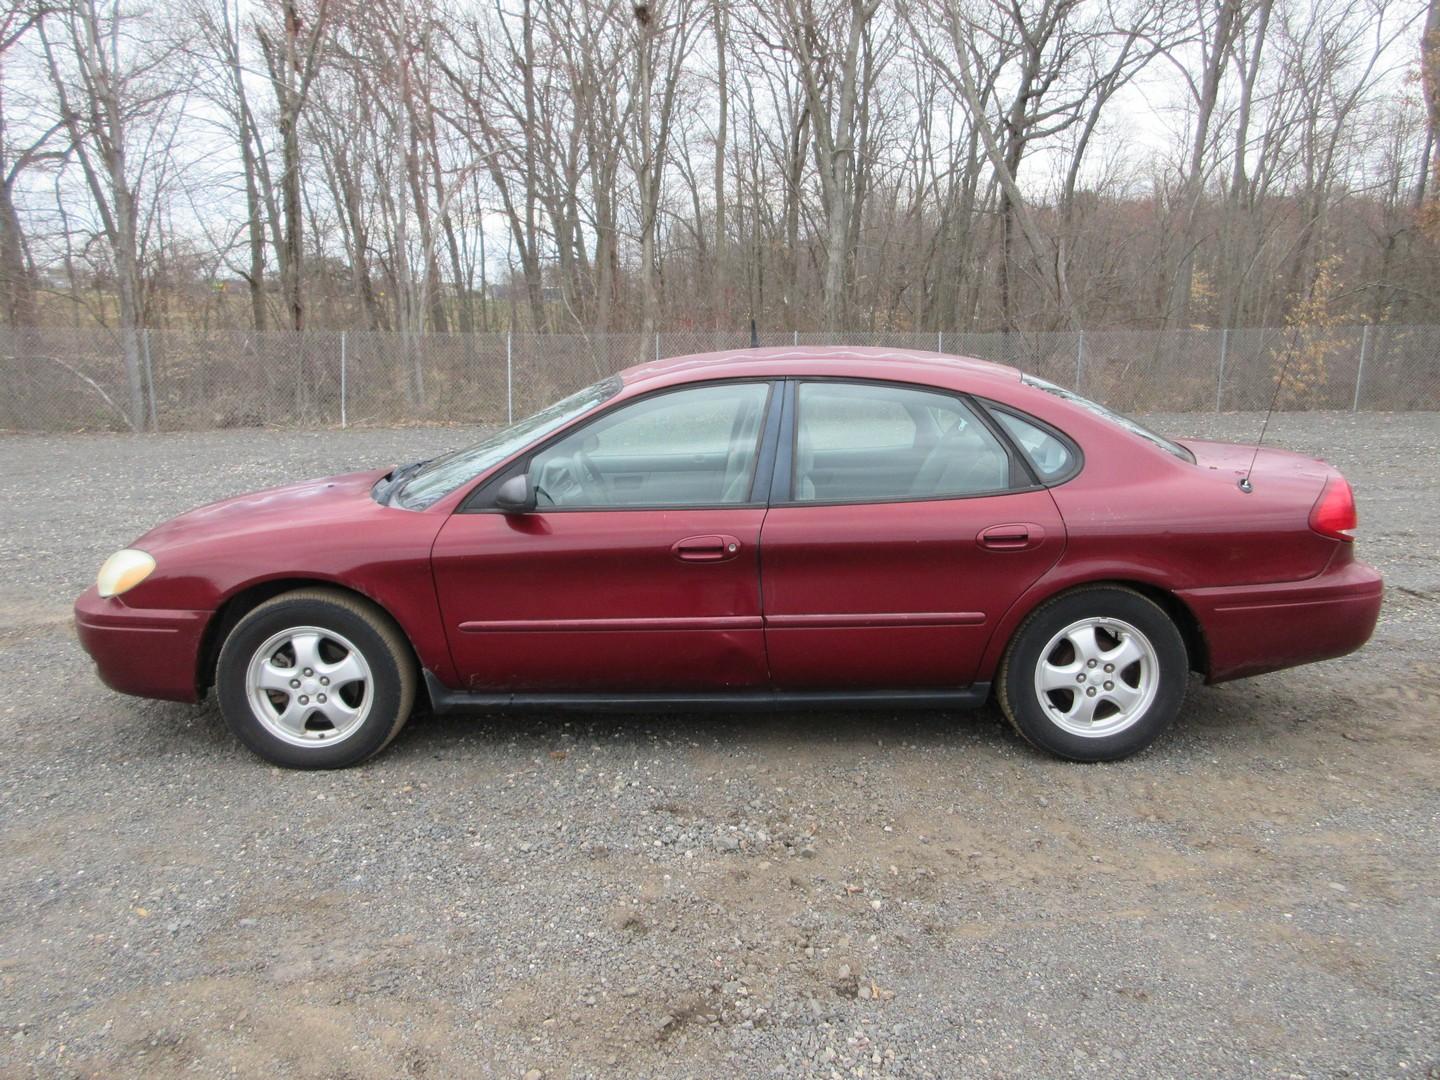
1114,417
442,475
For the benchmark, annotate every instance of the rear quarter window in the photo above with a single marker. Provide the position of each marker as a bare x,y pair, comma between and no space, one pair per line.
1054,457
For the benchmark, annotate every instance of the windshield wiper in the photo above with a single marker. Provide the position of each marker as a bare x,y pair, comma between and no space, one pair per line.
390,485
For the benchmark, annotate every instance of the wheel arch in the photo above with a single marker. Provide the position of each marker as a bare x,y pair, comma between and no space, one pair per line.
1192,632
1185,620
247,598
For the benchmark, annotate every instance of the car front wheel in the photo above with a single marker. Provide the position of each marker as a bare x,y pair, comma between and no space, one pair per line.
1094,675
315,679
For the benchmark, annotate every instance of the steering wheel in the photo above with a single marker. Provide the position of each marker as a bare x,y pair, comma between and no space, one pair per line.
591,482
557,484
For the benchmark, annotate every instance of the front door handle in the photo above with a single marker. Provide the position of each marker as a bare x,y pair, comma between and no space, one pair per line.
716,547
1016,536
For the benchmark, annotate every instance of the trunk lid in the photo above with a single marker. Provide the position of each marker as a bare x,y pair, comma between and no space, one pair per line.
1234,459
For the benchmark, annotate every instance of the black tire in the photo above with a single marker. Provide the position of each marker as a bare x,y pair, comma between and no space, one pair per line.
1036,720
391,685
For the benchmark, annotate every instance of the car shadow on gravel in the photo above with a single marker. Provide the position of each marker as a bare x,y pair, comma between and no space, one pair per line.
150,728
978,732
1258,718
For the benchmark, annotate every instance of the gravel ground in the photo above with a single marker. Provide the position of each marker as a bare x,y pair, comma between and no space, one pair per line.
913,895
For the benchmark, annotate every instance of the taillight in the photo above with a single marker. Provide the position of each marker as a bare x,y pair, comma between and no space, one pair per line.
1333,514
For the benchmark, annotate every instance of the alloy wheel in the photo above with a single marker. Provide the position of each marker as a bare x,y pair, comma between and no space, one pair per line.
309,686
1097,677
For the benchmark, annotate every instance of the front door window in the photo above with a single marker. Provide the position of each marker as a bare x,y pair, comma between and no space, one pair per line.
685,448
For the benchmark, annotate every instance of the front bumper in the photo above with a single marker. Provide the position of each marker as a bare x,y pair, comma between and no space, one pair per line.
1252,629
148,652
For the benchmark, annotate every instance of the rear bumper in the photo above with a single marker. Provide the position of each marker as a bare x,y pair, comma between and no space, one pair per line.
1252,629
148,652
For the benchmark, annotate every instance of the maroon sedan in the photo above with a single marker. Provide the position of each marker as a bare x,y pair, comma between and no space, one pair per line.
830,528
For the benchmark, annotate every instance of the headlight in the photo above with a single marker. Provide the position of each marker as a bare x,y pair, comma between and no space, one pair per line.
123,570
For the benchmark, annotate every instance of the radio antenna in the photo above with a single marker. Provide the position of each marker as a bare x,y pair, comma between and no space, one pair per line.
1245,485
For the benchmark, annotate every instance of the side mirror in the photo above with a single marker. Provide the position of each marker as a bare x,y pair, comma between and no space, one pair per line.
514,495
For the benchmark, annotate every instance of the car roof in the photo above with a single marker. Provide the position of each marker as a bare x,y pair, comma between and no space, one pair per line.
903,365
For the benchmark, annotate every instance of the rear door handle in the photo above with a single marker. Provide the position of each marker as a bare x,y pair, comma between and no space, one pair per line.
717,547
1016,536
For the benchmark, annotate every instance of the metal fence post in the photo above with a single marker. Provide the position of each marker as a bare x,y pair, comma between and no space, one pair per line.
1079,361
1220,371
657,345
342,379
1360,371
796,341
509,380
149,379
940,341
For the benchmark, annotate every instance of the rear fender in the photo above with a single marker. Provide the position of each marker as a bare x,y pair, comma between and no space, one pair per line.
1062,579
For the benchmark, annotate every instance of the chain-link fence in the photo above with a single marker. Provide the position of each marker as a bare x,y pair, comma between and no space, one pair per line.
166,380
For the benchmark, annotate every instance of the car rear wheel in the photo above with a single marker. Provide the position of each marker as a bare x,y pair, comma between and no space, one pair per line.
315,679
1094,675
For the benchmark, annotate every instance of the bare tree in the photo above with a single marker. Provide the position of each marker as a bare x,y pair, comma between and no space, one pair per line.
720,21
1430,80
829,46
113,90
665,34
292,57
221,32
592,165
17,275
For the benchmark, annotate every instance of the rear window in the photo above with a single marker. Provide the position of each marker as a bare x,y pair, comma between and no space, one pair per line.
1113,417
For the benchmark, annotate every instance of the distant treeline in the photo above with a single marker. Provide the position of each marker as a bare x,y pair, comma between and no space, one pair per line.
583,165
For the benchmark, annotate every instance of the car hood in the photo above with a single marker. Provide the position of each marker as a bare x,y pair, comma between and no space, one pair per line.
328,501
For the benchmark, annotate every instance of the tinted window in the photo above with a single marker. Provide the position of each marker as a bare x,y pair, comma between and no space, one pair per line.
1115,418
858,442
442,475
843,416
694,447
1050,457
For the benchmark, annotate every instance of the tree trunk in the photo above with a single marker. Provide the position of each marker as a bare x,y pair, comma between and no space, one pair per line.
718,254
644,75
1430,70
292,65
127,287
1177,307
17,284
294,240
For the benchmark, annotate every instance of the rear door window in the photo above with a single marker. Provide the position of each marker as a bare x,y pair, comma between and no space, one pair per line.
868,442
